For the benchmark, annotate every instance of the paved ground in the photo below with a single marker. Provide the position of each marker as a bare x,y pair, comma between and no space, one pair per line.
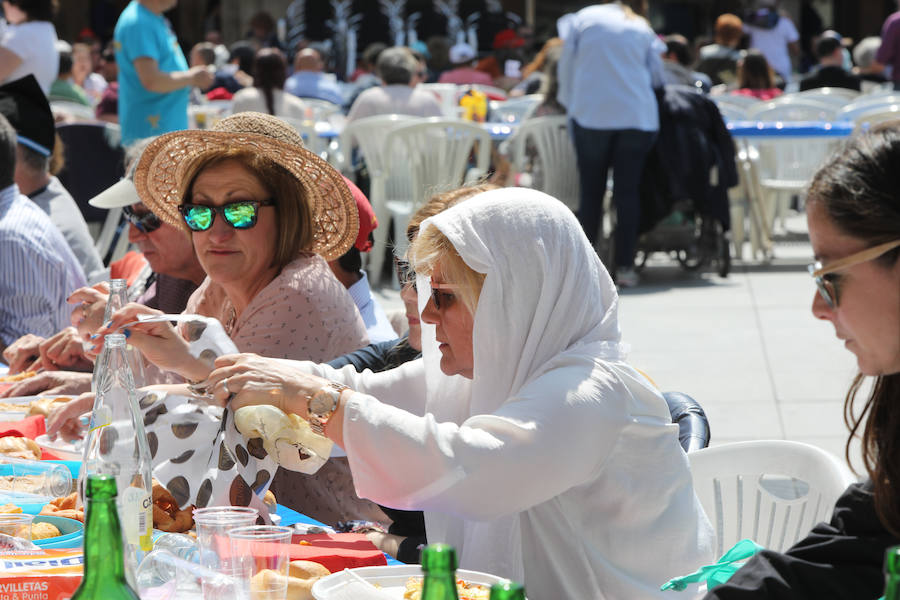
746,347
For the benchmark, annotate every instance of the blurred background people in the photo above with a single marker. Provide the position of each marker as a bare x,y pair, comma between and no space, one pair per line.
309,79
28,46
774,34
830,71
397,69
463,72
869,70
719,59
677,62
83,73
267,93
755,77
64,87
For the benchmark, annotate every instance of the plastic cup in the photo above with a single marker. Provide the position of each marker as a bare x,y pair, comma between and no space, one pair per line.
261,556
213,525
163,576
16,525
32,480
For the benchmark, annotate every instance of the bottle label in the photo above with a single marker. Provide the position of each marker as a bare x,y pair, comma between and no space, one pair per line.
137,518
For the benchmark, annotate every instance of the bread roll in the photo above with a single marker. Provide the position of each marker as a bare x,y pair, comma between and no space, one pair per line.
19,447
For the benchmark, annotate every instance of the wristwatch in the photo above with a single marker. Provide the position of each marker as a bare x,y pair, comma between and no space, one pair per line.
321,405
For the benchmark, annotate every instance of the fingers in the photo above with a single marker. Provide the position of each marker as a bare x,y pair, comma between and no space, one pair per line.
97,292
65,419
22,352
63,350
29,387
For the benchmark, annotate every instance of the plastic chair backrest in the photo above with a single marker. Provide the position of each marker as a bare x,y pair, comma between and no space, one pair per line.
864,105
320,110
877,115
835,92
311,138
835,101
738,100
792,110
426,158
771,491
731,112
555,158
514,110
72,111
447,95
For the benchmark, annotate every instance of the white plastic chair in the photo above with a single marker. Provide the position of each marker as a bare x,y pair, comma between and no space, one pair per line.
319,110
429,157
447,95
737,100
514,110
873,117
830,95
866,104
792,109
369,135
72,111
771,491
730,112
555,158
311,138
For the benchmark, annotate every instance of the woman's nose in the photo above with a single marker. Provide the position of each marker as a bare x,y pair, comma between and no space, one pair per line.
430,314
220,230
820,308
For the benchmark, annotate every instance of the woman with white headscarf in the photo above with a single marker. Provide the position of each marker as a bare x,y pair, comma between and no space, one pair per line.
532,447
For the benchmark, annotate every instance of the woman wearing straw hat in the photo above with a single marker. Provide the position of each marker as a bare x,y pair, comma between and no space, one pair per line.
264,215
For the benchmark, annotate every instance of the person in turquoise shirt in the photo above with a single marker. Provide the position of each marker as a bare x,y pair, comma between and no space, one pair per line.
154,78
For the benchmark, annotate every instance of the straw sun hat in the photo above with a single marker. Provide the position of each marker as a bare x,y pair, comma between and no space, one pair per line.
160,174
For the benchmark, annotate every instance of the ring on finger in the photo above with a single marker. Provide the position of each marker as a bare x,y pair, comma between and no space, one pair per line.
228,393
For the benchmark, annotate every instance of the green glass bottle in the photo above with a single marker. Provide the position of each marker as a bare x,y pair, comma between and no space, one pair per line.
892,573
439,567
507,590
104,564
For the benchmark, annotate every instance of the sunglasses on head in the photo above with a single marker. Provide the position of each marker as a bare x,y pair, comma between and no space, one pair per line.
826,277
240,215
145,223
405,274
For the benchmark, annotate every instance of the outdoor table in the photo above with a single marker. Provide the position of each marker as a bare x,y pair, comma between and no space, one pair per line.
747,136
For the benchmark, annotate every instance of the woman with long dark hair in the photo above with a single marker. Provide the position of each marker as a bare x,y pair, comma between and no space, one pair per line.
755,77
267,94
854,225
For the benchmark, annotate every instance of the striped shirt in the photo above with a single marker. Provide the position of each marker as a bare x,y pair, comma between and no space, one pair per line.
37,270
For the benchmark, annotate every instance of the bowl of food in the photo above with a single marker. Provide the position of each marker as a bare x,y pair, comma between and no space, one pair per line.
403,582
49,531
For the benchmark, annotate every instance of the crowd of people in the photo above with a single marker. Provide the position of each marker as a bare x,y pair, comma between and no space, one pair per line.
500,415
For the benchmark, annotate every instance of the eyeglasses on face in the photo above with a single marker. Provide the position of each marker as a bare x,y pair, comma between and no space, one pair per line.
442,295
145,223
240,215
826,277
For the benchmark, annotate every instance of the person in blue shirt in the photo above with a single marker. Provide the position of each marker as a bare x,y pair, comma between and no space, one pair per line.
610,63
154,78
310,81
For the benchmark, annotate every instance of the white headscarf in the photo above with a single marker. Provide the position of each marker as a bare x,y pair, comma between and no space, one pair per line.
546,297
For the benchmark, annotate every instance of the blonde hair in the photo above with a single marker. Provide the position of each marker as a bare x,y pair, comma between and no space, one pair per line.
432,246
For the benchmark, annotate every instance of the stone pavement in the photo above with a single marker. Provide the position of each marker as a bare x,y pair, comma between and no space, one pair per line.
747,348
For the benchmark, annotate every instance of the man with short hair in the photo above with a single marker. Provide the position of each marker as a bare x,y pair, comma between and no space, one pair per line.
397,68
310,80
154,78
39,270
27,110
676,64
830,72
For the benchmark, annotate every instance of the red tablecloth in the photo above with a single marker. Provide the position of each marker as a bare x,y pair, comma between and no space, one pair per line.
337,551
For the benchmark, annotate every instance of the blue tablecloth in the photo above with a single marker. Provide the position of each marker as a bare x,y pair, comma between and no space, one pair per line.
778,129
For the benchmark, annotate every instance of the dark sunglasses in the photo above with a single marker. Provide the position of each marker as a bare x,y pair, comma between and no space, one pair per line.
442,295
405,275
826,277
145,223
240,215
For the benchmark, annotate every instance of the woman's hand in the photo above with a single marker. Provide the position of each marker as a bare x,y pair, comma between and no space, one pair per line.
160,343
23,353
87,317
50,383
64,352
250,379
65,420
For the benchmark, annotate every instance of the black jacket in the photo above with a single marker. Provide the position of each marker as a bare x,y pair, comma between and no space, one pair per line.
840,560
830,77
693,143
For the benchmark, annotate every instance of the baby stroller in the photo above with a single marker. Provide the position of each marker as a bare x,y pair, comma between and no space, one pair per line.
684,188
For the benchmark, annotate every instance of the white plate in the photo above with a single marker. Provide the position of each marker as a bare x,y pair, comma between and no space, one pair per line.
65,450
392,580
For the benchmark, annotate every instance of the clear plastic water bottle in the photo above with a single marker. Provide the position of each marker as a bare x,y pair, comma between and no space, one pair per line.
118,297
116,445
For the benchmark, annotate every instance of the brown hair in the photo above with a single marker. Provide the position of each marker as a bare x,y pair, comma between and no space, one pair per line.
857,189
432,245
729,29
754,72
269,74
538,63
293,214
